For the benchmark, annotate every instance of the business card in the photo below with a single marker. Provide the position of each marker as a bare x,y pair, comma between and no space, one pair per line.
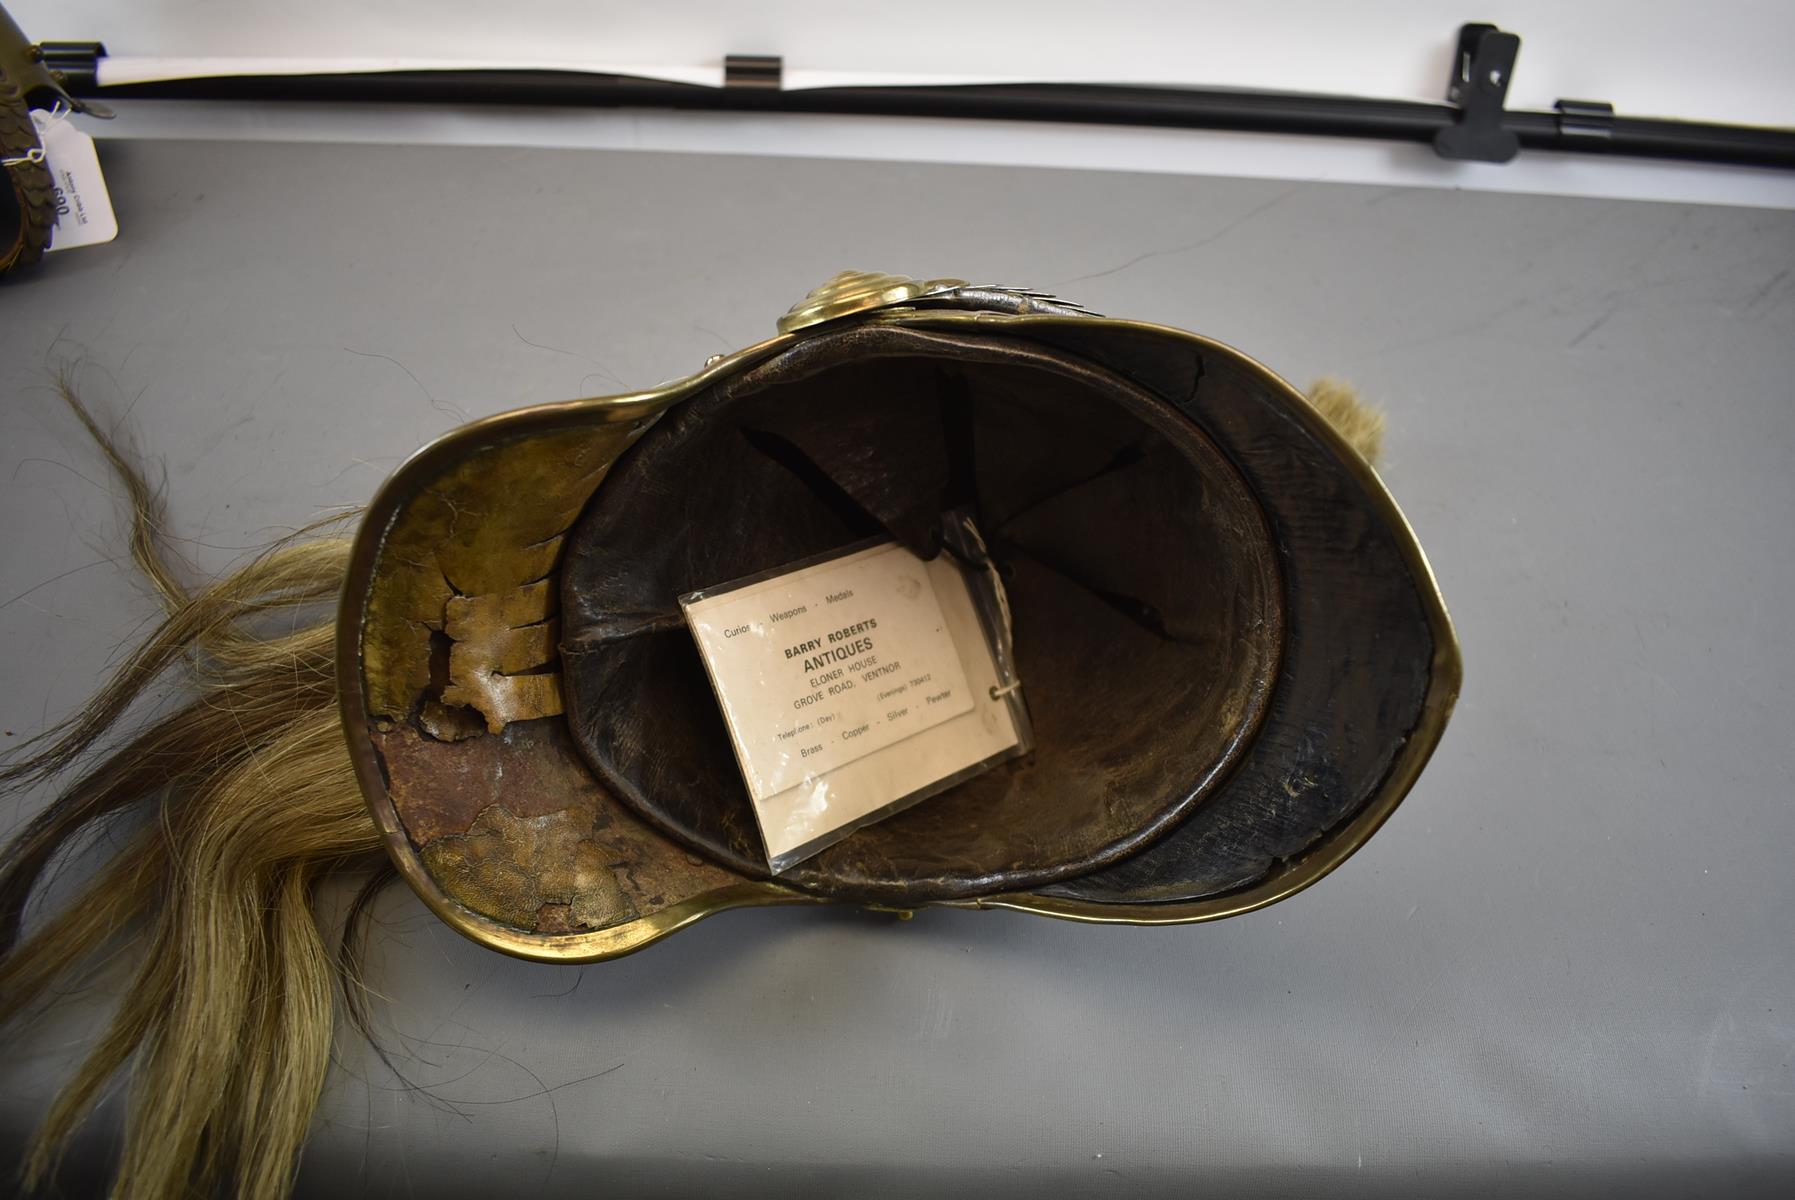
851,687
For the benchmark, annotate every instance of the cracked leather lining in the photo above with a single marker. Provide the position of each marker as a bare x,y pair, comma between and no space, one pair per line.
1145,589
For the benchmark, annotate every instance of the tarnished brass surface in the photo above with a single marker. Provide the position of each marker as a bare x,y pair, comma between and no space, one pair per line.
473,538
515,828
502,662
502,829
455,539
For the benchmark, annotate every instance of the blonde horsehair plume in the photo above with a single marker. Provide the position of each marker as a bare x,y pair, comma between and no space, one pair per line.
227,1025
1358,422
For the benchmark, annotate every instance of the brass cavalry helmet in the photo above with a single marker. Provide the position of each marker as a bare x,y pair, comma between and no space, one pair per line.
1237,660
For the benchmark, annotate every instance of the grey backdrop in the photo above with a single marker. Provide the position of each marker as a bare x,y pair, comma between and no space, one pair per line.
1566,964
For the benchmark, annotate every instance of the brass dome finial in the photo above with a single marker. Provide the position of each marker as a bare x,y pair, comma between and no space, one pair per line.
859,291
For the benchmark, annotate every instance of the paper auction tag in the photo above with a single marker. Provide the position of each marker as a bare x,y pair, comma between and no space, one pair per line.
84,215
851,687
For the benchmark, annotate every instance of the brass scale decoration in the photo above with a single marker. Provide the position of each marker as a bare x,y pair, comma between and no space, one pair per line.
477,762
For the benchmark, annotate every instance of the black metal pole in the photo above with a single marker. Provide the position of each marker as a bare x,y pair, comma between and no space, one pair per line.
1259,112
